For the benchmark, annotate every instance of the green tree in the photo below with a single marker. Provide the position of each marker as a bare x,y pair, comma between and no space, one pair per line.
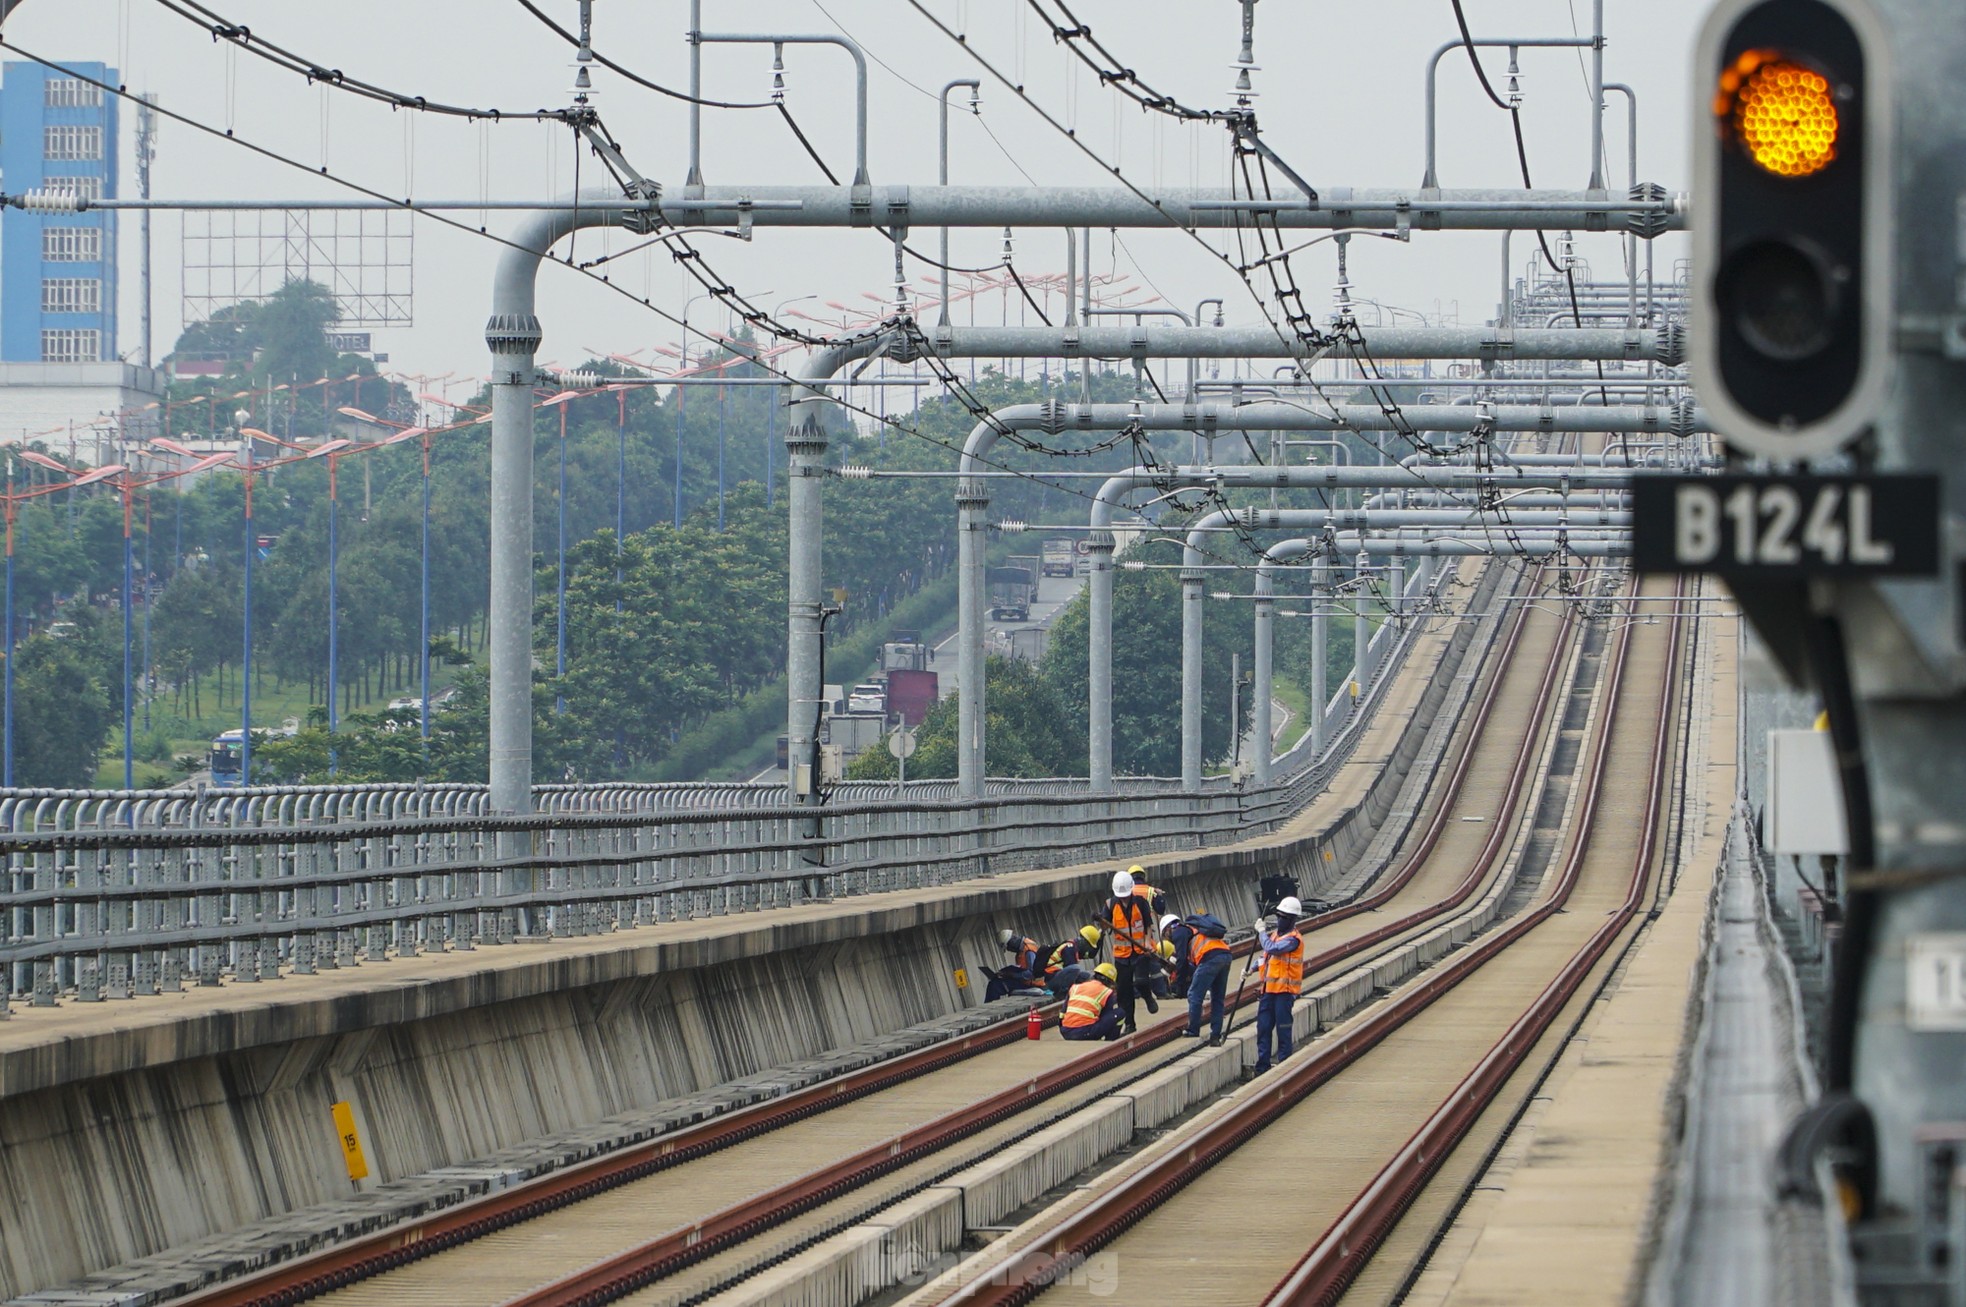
1147,667
63,708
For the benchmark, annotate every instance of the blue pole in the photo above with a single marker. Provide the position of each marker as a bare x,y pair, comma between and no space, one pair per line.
423,707
682,407
723,410
620,490
129,745
560,619
246,657
148,603
334,615
8,765
771,451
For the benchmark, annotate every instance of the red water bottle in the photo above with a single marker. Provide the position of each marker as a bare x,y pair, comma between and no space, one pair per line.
1033,1025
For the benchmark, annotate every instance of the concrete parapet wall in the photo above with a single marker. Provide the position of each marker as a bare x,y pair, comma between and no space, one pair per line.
138,1128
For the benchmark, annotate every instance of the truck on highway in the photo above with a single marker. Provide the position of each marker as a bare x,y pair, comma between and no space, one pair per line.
906,652
1060,556
1011,590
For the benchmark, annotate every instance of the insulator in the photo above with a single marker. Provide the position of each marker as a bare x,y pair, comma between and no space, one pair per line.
1651,224
44,201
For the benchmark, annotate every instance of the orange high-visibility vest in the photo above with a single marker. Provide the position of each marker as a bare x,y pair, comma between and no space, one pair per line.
1283,973
1086,1001
1132,924
1202,945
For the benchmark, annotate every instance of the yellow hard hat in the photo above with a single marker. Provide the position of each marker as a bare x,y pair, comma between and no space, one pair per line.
1107,972
1136,871
1167,949
1091,935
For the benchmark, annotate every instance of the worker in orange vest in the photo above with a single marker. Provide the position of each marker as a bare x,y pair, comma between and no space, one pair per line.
1283,980
1091,1010
1209,952
1136,942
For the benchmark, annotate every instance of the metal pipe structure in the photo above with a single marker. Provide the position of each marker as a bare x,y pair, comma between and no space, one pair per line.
700,39
805,448
996,207
1431,180
1145,341
806,443
1108,501
513,336
1631,156
942,99
973,494
1321,519
1596,182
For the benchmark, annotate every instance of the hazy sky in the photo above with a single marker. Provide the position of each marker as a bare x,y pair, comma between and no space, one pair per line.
1341,99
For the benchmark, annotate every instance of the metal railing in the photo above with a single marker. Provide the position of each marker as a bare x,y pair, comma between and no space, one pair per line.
117,894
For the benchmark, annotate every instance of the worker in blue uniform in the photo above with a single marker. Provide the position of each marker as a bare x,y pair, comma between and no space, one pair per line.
1021,976
1071,962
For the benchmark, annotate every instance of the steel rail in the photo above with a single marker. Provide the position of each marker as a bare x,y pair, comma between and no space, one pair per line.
398,1245
360,1259
672,1251
1327,1270
1056,1250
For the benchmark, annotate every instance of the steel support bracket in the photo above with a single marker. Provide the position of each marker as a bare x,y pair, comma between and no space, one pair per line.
860,205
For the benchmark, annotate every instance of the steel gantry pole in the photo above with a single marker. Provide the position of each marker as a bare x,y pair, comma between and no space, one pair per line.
942,100
513,335
805,446
1108,500
1053,418
1319,519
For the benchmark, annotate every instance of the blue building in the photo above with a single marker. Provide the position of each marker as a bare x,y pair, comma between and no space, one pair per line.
57,270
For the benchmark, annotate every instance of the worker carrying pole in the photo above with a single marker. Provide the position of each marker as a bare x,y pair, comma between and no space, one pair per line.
1136,941
1283,979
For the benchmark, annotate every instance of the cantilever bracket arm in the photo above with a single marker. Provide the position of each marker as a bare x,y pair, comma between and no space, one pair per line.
1246,132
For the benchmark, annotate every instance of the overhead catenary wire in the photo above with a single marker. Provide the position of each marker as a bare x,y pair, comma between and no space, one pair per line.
751,315
637,78
242,37
1522,160
860,410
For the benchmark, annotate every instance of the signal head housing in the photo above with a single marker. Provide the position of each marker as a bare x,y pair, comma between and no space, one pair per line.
1793,239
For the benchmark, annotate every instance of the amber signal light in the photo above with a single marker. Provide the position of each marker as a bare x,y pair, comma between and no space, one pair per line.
1781,112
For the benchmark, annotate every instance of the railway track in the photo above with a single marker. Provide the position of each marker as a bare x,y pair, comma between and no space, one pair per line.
684,1213
1330,1150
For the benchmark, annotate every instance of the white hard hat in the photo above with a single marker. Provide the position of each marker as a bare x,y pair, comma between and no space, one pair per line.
1122,884
1006,937
1169,920
1290,907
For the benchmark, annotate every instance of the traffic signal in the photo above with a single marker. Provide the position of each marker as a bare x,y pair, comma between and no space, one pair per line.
1793,234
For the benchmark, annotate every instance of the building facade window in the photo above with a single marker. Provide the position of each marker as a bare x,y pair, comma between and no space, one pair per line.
71,295
68,345
88,188
72,93
71,244
67,141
